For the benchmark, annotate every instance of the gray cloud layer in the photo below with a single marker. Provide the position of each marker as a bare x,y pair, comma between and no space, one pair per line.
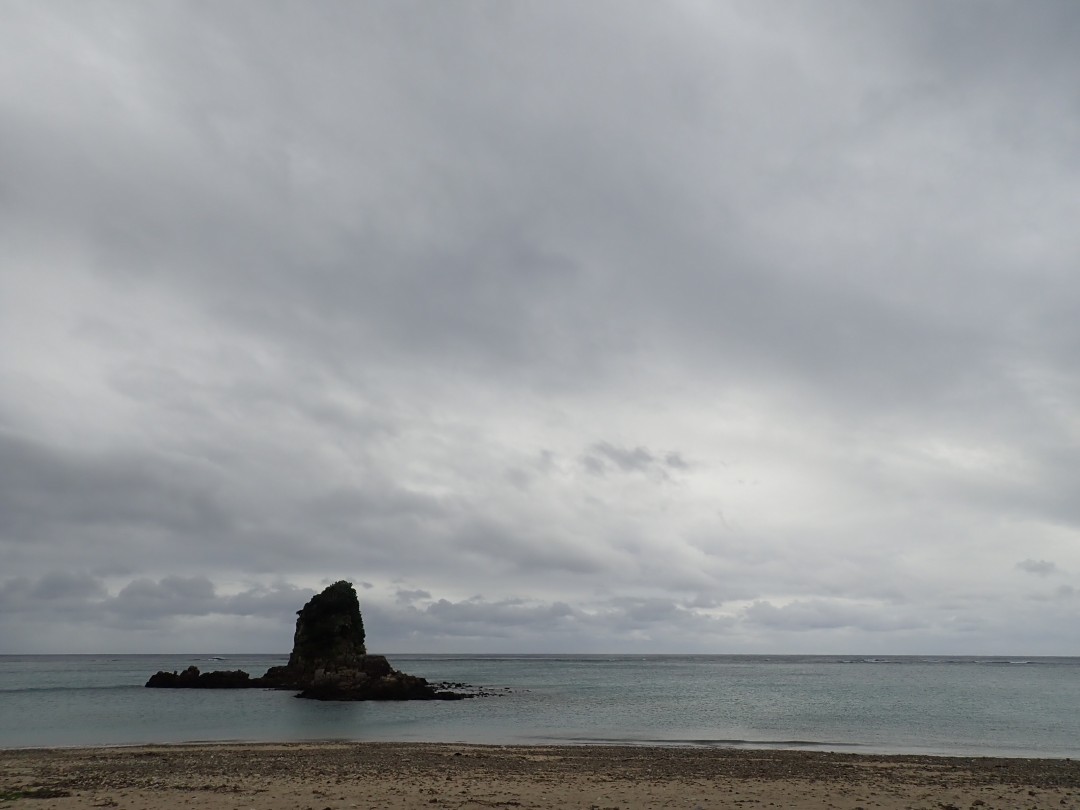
724,327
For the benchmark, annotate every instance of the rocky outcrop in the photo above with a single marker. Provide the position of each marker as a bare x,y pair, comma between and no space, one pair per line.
328,628
328,661
329,639
371,678
191,678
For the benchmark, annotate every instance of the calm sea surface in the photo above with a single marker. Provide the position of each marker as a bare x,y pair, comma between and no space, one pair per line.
967,706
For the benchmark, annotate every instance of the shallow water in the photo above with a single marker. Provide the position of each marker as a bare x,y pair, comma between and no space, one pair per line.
968,706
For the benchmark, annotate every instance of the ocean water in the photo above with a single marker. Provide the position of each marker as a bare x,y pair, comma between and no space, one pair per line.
933,705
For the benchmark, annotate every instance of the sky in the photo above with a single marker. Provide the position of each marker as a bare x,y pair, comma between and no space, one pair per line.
702,327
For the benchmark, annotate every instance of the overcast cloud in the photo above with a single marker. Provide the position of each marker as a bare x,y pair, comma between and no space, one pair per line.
616,326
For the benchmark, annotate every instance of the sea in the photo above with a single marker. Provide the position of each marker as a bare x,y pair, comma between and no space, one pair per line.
963,706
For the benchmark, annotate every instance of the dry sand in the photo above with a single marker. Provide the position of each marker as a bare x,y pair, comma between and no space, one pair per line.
322,776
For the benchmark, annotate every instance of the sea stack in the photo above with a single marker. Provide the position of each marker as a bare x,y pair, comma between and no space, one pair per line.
329,627
329,637
329,660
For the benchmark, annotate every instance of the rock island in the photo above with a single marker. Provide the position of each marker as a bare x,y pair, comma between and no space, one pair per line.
329,661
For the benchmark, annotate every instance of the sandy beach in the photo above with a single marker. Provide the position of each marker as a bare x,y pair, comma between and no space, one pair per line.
332,776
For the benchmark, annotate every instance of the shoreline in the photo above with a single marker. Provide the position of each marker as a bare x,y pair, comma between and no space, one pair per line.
341,775
748,746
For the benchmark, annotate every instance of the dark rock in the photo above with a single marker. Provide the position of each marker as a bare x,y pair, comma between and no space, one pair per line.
279,678
328,661
224,679
383,683
163,680
328,628
191,678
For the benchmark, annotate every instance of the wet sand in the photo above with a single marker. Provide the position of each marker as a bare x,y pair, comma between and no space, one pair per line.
335,776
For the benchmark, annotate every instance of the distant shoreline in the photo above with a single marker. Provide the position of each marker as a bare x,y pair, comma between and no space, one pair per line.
405,775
